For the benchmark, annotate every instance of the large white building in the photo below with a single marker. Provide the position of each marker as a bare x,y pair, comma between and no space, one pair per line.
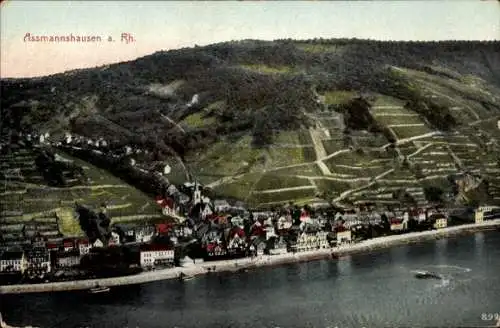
310,241
344,237
153,255
13,261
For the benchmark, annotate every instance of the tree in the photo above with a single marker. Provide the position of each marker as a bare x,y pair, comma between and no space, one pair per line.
433,194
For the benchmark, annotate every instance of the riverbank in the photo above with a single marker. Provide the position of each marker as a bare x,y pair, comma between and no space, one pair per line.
247,263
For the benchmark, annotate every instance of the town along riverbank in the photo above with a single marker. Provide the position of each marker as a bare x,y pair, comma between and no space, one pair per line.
372,289
248,263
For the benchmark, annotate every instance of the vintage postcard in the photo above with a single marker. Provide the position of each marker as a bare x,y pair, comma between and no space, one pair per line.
250,164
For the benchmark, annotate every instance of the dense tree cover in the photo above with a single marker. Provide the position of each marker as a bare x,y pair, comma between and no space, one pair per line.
434,194
121,167
56,173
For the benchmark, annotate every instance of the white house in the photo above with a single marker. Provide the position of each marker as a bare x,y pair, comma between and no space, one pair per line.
486,213
68,259
221,205
306,241
344,237
115,239
322,239
13,261
193,101
441,221
172,190
69,138
400,223
167,206
280,247
83,247
183,231
421,215
270,232
144,234
238,221
206,211
237,240
478,216
153,255
97,244
38,260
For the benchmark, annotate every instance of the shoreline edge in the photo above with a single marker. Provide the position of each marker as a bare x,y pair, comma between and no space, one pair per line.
252,263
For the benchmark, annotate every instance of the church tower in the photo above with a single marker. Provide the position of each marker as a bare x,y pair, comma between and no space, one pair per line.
197,194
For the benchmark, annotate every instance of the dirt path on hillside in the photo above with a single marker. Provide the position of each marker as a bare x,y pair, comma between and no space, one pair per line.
173,122
269,191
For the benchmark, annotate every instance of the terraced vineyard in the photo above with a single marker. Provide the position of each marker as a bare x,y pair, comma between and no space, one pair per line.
26,196
367,172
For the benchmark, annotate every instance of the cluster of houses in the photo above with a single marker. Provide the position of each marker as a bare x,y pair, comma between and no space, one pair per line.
207,229
218,230
39,258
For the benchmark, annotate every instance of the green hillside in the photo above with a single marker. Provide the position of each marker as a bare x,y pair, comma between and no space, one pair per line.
28,196
272,122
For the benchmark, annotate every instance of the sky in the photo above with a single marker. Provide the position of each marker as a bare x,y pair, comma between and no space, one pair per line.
159,25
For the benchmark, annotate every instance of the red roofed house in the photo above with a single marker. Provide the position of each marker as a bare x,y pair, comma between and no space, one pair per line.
399,222
68,244
216,249
418,214
167,205
304,216
396,224
237,244
52,246
237,231
152,255
258,229
163,228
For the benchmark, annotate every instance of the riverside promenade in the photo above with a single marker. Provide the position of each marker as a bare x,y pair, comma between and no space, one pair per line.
247,263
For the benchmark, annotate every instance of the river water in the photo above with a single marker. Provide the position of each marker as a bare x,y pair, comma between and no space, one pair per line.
372,290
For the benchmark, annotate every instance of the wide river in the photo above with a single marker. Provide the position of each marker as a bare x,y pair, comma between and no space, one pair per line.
372,290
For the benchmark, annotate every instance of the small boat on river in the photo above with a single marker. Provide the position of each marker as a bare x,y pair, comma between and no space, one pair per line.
427,275
184,277
99,289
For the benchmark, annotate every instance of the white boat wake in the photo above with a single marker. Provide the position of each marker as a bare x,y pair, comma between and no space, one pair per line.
449,278
444,283
463,269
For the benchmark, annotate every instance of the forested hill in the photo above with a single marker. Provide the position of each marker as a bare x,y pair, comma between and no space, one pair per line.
260,96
